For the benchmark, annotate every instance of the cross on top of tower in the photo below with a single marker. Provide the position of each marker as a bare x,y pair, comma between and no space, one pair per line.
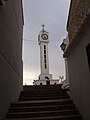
43,27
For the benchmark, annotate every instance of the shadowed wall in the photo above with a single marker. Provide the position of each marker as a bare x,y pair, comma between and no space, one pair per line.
11,66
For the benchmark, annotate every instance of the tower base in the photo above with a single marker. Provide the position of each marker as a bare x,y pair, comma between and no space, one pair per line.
46,82
45,77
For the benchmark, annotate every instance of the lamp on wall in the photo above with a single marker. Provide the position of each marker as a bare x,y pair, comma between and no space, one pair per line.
63,46
2,2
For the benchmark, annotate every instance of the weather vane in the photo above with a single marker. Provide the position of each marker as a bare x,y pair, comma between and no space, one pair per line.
43,27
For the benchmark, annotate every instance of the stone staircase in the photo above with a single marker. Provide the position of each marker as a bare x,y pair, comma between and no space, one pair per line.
47,102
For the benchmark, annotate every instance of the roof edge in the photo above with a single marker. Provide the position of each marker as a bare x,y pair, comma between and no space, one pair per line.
69,15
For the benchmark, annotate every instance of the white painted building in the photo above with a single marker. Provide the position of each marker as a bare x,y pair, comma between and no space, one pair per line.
44,78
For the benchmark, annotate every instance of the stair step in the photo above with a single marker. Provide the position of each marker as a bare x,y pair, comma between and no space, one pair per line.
42,108
25,93
41,103
42,87
44,95
42,98
48,90
71,117
41,114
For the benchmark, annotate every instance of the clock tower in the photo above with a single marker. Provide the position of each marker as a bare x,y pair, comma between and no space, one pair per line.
43,40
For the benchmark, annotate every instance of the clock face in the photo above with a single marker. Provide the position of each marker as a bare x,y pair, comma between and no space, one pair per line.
44,36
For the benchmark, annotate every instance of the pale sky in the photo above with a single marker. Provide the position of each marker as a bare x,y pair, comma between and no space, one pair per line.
54,14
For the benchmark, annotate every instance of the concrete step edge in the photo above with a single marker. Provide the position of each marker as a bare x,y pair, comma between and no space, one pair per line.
40,118
44,101
43,106
56,111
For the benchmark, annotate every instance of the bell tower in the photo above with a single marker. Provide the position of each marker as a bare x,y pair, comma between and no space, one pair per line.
43,40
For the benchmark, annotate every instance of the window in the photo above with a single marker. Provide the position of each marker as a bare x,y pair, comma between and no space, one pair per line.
44,56
41,84
44,60
88,53
44,47
44,51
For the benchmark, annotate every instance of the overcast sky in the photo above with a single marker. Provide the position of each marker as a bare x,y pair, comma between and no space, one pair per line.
54,14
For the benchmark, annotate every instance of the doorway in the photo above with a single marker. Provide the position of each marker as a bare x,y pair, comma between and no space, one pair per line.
48,82
88,53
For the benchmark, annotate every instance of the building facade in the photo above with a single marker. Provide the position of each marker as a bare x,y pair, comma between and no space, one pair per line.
11,65
78,55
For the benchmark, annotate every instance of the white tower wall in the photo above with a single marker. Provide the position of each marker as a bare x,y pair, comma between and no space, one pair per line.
44,62
43,40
